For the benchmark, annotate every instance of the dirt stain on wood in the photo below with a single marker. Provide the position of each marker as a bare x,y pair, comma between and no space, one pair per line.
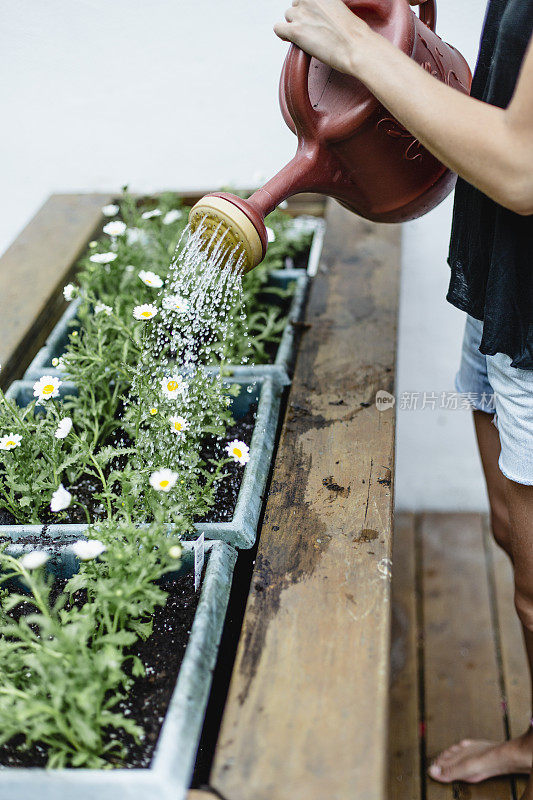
366,535
333,486
301,554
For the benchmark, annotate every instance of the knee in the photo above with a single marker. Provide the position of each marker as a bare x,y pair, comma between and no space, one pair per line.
499,520
523,600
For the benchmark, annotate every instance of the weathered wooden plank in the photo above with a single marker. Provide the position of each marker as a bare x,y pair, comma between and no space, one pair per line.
307,710
35,268
513,655
462,681
404,739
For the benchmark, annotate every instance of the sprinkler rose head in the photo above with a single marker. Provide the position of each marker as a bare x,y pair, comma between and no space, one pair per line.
235,219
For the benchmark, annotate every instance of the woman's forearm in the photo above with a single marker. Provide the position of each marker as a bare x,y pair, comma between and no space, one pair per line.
479,141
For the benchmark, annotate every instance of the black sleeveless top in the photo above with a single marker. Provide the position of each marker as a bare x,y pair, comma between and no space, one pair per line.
491,248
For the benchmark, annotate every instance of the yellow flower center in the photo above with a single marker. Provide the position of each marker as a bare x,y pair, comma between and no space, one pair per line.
237,452
48,389
146,314
164,484
153,411
172,386
10,443
178,426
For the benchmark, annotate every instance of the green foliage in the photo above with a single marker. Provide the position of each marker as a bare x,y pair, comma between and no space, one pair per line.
65,665
65,661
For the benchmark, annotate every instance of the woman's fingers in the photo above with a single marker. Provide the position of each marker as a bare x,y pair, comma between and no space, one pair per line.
281,29
289,15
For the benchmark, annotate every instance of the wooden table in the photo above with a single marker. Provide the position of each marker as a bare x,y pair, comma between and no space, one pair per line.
306,715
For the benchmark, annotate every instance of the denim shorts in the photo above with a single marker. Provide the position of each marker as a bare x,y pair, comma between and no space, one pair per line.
492,385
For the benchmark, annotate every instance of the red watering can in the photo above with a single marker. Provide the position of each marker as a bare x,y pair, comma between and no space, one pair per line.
349,146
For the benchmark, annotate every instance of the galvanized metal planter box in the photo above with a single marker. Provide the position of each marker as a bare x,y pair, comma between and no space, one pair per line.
58,340
241,530
169,775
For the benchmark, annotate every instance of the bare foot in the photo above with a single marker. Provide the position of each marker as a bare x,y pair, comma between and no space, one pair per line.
473,760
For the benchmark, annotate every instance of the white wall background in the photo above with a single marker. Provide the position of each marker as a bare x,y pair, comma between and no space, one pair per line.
183,93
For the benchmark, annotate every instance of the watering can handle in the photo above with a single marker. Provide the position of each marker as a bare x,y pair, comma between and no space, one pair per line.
299,105
428,13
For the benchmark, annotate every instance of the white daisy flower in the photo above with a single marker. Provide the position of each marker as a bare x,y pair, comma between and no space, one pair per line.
10,441
156,212
271,235
58,362
34,560
46,387
177,303
102,308
299,225
110,210
239,451
151,279
69,292
163,480
103,258
87,550
172,386
64,428
175,551
145,312
172,216
178,425
61,499
115,228
134,235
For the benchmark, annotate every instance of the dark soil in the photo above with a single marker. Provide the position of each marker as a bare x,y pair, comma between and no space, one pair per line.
228,489
7,518
300,260
223,508
149,696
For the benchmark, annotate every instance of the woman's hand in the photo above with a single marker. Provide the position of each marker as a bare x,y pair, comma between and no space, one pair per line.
326,29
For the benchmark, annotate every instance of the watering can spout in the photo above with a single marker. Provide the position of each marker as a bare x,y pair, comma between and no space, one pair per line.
242,221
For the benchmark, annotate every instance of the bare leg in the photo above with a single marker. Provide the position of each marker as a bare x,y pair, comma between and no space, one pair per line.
475,760
520,505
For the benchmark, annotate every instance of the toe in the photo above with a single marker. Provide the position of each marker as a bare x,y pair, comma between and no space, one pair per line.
450,753
440,773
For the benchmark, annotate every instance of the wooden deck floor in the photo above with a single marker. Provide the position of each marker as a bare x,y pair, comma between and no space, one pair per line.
458,668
